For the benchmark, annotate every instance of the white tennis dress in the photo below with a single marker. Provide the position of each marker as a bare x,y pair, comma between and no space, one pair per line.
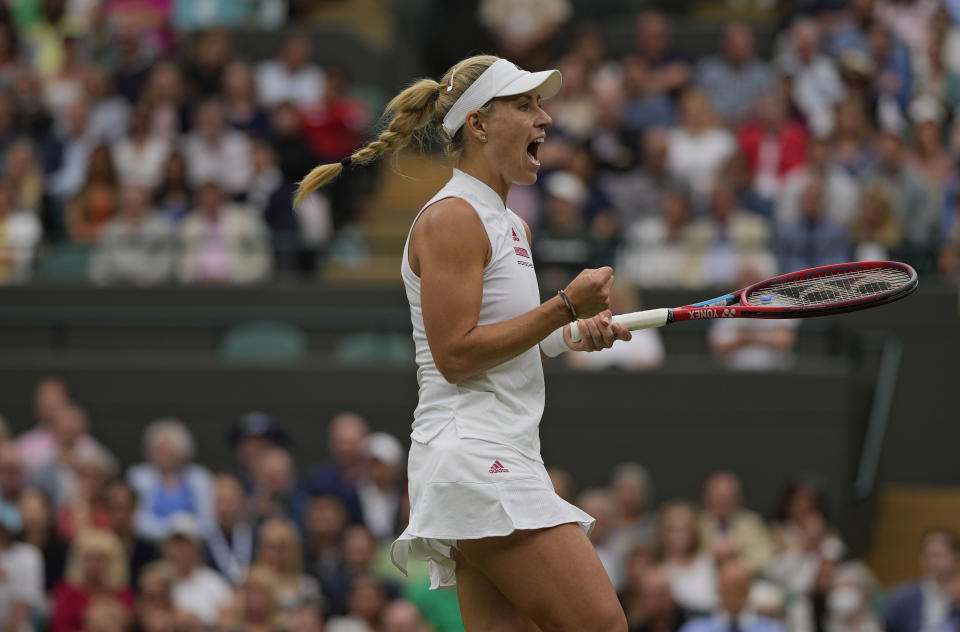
474,468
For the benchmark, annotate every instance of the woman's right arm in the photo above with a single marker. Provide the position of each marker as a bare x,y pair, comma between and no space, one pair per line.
449,249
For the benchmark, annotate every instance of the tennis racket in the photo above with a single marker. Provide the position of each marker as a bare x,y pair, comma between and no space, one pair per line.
833,289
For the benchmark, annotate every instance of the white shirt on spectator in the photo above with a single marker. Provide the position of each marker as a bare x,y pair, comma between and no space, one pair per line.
379,509
752,356
21,567
841,196
141,164
226,160
276,84
695,159
202,594
693,586
21,234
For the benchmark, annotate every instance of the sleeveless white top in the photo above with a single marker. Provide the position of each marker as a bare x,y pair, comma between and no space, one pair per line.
503,404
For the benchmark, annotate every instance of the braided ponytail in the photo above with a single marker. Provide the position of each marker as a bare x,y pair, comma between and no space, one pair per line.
410,113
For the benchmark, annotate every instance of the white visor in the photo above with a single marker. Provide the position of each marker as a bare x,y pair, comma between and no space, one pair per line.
501,79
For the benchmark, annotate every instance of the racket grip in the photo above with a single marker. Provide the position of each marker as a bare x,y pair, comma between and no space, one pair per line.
633,321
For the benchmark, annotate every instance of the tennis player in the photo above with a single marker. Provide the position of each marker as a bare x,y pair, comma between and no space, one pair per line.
483,511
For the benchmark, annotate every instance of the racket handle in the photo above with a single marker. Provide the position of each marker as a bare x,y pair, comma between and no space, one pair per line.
633,321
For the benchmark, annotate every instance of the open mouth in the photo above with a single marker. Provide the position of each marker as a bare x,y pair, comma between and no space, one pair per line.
532,150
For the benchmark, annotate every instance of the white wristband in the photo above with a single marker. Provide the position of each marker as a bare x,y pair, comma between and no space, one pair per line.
554,344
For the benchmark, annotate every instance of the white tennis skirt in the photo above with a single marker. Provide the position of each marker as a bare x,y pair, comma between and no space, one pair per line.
465,489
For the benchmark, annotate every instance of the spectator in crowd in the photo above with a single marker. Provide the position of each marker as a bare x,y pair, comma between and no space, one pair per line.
277,491
772,144
12,472
197,590
109,111
728,238
365,605
572,110
165,95
241,109
912,203
564,241
929,156
97,568
269,195
215,152
339,476
736,78
326,520
815,82
611,550
85,506
292,76
841,190
924,603
643,351
689,569
851,141
133,64
155,611
875,231
402,616
207,67
137,246
640,193
20,237
660,612
23,172
698,147
657,250
849,600
288,139
222,242
893,77
64,85
250,438
21,579
335,126
169,483
727,525
668,70
359,554
141,154
804,542
734,581
230,539
121,503
524,32
382,488
174,195
58,478
37,446
255,608
643,109
753,344
40,532
94,205
632,492
814,239
68,149
279,549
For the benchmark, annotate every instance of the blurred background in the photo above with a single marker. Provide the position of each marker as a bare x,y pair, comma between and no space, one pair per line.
206,395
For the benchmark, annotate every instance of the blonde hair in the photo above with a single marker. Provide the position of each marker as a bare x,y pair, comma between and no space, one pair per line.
109,545
409,114
288,531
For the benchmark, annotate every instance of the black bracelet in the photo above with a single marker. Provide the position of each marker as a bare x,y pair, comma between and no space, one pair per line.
566,299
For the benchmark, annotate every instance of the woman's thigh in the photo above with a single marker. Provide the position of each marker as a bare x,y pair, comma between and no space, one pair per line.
483,607
553,576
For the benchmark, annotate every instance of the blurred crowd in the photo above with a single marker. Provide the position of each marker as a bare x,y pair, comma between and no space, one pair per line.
140,130
269,544
840,144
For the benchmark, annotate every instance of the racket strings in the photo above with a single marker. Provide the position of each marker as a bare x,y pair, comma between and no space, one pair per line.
836,288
